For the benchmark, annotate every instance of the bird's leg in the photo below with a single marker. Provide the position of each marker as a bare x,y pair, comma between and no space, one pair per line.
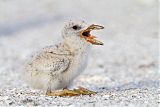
64,92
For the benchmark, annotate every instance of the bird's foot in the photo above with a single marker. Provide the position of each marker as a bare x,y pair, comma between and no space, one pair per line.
84,91
67,92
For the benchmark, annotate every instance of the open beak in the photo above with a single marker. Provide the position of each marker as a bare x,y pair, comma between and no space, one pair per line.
90,38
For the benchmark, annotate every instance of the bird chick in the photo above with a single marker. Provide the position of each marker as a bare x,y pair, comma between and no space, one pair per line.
55,67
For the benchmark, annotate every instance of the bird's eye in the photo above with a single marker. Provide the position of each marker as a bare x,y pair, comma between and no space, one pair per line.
76,27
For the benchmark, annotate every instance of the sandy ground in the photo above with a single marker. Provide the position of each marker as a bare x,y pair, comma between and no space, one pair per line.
124,71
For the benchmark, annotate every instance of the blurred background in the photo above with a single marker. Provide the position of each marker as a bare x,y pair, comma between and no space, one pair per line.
129,55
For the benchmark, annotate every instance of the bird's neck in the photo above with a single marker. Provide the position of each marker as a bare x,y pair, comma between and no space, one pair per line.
77,46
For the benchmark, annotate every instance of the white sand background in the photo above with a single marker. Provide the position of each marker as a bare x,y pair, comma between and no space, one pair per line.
124,71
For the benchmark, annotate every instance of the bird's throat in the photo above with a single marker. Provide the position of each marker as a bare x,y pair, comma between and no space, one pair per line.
77,46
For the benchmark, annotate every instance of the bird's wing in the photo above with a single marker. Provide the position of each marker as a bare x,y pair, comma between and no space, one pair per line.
50,62
57,49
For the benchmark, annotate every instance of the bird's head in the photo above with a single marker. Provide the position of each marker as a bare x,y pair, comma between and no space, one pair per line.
80,31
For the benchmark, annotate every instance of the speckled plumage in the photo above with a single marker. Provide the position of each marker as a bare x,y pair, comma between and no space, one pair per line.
55,67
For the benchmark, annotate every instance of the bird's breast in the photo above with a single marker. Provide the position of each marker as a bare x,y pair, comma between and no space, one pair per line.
78,64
